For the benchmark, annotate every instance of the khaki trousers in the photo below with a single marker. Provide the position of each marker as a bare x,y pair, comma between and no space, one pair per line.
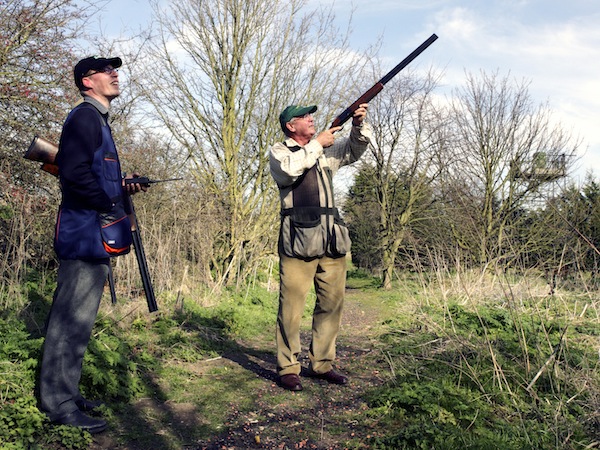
296,278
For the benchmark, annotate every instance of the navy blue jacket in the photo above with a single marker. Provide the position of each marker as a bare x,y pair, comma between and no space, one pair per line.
91,184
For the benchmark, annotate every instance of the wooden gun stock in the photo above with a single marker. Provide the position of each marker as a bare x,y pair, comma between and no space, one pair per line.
365,98
378,87
45,152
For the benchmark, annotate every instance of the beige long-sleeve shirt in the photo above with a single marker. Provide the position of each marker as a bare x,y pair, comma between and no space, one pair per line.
289,160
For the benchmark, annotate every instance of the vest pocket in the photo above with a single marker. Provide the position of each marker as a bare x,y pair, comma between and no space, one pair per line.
340,239
302,236
110,178
77,235
115,230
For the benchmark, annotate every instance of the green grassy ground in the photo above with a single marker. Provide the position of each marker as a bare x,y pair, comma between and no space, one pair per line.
461,361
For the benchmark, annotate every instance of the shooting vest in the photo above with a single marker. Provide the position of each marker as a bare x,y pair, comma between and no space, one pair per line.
311,226
86,233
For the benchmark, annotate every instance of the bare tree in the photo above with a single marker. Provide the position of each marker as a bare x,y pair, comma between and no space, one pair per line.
409,136
36,62
221,72
35,71
506,150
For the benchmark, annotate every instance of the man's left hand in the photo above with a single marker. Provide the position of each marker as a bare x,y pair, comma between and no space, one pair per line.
359,115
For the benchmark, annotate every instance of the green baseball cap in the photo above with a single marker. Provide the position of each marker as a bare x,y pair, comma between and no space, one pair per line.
294,111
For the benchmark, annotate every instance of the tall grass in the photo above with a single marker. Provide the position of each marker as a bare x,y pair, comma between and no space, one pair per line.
489,359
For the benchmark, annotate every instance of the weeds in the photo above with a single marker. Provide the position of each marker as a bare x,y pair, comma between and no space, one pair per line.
488,363
484,373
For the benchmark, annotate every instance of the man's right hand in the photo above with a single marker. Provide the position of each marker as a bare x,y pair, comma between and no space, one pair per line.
133,188
326,138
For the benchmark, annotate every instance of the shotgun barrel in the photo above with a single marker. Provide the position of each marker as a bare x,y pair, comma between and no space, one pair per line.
378,87
145,181
141,258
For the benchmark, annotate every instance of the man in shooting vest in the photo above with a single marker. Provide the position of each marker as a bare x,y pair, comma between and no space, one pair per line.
92,226
313,239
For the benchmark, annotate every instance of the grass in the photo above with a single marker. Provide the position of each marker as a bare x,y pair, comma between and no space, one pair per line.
439,362
493,372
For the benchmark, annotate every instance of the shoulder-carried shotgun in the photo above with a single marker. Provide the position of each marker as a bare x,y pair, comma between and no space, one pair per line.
378,87
44,151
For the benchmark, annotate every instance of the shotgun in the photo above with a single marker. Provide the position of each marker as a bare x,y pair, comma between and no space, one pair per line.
44,151
378,87
145,181
141,258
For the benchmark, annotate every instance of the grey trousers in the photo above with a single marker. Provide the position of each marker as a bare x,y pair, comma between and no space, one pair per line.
68,330
296,277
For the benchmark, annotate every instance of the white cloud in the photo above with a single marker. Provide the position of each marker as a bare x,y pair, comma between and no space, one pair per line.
459,24
560,56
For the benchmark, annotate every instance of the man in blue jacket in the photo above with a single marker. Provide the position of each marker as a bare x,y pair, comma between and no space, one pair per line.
92,194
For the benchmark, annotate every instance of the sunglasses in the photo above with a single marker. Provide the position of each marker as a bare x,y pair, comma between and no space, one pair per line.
305,116
109,70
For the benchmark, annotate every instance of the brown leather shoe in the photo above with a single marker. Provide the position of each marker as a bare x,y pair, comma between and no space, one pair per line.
332,377
291,382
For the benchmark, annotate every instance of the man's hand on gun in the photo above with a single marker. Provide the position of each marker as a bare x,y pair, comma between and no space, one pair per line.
133,187
326,138
359,115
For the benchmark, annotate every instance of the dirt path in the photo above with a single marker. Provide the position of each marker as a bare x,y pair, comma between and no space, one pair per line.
322,416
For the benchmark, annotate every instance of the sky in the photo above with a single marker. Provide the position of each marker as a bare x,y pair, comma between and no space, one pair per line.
554,45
